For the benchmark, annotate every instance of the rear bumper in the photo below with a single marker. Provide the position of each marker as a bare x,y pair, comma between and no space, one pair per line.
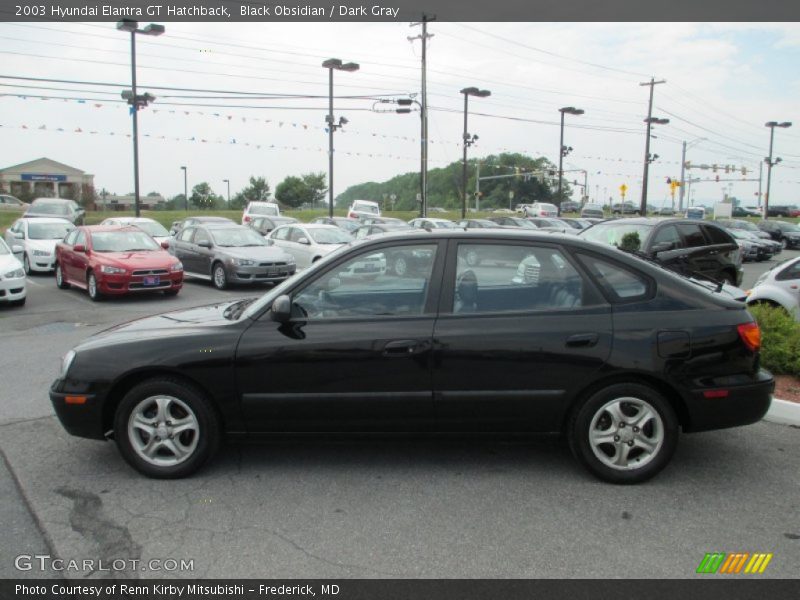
81,420
730,406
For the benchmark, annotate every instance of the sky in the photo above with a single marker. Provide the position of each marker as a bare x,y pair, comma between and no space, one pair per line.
724,81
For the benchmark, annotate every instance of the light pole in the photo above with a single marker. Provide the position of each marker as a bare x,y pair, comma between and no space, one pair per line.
683,166
648,158
228,181
770,163
334,64
564,150
135,100
185,189
468,141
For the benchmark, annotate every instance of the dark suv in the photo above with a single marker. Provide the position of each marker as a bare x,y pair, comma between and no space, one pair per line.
689,247
788,234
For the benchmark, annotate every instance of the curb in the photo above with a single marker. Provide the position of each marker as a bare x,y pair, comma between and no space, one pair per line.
784,412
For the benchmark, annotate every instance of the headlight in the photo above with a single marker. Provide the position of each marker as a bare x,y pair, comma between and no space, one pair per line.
178,266
66,362
41,253
15,274
243,262
112,270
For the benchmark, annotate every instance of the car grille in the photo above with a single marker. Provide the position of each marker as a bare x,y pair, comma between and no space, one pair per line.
140,286
272,264
142,272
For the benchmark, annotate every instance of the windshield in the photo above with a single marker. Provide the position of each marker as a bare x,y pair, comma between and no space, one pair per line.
237,238
784,226
347,225
152,228
330,236
48,208
264,209
49,231
370,208
122,241
612,233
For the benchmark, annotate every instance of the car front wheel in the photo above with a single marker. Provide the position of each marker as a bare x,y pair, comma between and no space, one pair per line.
91,287
165,428
220,277
60,282
624,433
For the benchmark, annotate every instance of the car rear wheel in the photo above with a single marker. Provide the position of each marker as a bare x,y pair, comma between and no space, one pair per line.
624,433
60,281
219,277
166,428
91,287
785,243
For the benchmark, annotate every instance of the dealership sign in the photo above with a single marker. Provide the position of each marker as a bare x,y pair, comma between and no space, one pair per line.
42,177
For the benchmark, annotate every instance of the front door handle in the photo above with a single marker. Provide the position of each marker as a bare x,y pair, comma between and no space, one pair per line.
583,340
401,348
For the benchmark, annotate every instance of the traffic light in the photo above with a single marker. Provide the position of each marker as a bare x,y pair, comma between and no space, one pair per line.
717,177
669,180
714,168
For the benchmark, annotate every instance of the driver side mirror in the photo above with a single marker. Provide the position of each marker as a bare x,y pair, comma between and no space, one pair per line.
204,244
304,240
18,234
663,247
165,245
281,310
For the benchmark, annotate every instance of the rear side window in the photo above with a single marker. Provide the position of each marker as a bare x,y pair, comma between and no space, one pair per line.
692,234
717,236
186,234
620,283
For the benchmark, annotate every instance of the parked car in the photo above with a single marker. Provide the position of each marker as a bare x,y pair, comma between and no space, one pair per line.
12,275
264,225
346,223
113,261
617,354
11,203
308,242
552,224
177,226
665,211
363,208
625,208
780,286
229,253
478,224
262,209
540,209
379,228
432,223
513,222
788,234
790,210
570,206
56,207
753,248
740,211
367,220
575,223
38,238
592,211
749,227
692,248
150,226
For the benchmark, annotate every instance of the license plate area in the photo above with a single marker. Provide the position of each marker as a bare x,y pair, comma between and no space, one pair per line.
151,281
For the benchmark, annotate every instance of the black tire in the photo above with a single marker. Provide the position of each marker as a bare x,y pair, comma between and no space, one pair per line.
26,264
91,288
660,432
204,440
60,281
218,276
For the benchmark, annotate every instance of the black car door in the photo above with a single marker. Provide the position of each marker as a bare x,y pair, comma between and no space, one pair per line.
355,356
519,331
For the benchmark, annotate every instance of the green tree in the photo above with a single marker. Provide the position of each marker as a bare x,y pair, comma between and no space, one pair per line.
293,192
317,186
257,191
203,196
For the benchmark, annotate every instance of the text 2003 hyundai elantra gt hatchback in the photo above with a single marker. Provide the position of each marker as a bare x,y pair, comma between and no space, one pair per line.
545,333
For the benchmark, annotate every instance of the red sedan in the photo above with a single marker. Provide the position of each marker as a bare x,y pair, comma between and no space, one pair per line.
114,260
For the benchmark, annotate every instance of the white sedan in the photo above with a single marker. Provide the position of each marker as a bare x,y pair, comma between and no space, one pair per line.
12,276
38,239
151,227
308,242
780,286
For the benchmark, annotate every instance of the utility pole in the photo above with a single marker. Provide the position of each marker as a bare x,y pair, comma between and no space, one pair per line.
423,175
477,186
652,83
760,175
683,179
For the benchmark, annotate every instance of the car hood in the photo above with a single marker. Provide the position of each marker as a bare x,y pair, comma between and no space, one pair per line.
8,262
137,260
256,252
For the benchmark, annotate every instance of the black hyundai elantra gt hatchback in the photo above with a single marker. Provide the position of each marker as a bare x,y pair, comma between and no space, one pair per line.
495,331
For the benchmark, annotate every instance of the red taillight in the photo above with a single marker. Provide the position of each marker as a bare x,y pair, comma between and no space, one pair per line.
750,334
246,219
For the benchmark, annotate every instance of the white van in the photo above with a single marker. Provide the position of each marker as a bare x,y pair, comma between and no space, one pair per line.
363,208
260,209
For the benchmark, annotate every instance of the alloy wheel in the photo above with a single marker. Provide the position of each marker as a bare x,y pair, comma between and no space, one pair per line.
163,430
626,433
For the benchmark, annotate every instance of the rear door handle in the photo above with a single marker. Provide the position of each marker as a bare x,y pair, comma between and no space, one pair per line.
583,340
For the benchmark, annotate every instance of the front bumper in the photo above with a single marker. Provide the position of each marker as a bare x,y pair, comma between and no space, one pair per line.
113,284
81,420
42,264
12,290
261,273
742,405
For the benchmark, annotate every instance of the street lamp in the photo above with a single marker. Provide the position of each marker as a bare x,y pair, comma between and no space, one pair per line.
228,181
468,141
771,163
334,64
185,189
648,158
564,150
133,99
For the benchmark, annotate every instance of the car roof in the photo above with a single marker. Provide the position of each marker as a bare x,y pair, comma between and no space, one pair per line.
53,200
104,228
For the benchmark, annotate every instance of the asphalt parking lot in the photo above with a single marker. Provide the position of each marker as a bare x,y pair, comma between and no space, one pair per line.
368,508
